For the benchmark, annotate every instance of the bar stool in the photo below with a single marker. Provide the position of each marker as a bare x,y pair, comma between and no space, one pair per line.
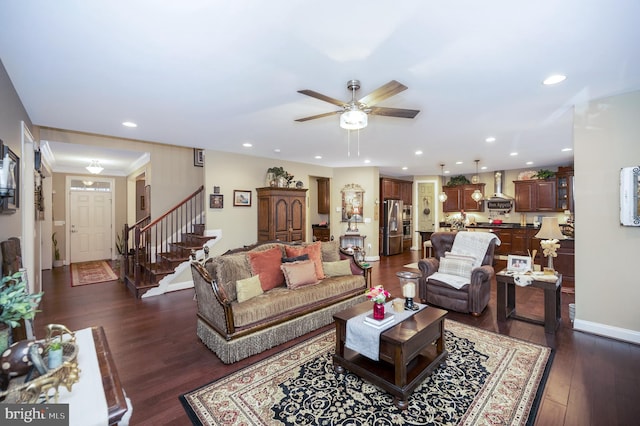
426,249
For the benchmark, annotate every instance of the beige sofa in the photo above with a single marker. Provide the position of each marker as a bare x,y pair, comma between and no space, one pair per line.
236,329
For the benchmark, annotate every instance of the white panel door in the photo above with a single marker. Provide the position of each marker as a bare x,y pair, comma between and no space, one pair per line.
90,214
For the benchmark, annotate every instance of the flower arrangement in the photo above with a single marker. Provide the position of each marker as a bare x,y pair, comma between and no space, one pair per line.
549,247
377,294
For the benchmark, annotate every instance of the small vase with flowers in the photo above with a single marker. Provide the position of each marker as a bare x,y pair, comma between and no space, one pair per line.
378,295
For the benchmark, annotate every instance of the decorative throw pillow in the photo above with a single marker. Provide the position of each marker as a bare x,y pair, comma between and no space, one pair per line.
330,251
459,267
314,252
298,274
248,288
267,264
295,259
337,269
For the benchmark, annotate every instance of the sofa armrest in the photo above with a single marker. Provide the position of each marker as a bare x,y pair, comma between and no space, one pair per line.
213,305
356,267
428,267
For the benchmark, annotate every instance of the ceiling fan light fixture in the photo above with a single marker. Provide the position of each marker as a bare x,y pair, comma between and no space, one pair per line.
94,167
353,120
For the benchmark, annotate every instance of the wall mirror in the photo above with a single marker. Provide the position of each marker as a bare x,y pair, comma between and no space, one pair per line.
630,196
352,203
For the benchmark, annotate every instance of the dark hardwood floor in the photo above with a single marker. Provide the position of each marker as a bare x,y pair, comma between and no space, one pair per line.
593,380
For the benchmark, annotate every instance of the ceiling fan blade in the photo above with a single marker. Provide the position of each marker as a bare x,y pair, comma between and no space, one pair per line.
322,97
313,117
394,112
383,92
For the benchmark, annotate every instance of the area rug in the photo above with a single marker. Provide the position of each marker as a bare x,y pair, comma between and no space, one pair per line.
487,379
411,265
93,272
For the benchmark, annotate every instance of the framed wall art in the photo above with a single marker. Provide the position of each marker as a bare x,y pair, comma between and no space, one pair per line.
241,198
198,157
630,196
11,198
352,203
216,201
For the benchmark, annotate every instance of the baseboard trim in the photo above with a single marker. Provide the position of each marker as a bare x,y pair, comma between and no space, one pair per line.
617,333
372,258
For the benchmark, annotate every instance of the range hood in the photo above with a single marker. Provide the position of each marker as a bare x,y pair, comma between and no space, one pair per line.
499,200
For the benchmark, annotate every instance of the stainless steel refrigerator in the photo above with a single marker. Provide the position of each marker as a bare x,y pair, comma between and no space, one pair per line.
392,227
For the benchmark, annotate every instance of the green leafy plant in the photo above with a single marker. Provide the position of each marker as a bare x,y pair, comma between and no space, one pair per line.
458,180
544,174
277,171
16,303
56,250
120,243
55,345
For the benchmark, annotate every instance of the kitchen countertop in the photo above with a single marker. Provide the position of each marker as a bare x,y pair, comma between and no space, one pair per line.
490,226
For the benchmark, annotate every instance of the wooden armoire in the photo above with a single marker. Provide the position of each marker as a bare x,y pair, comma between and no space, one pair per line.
281,214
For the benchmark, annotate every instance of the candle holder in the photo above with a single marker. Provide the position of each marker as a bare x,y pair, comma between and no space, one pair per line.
409,283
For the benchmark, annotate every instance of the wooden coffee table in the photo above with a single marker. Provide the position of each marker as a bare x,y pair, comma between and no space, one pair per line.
409,351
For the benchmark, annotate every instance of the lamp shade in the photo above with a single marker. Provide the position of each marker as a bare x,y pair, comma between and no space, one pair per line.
550,230
353,120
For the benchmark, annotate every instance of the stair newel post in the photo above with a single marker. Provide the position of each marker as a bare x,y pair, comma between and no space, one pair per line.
136,259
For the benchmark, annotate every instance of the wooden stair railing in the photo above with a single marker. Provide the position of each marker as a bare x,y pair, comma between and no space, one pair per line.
154,248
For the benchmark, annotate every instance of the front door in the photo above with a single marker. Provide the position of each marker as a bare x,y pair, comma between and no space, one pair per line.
90,228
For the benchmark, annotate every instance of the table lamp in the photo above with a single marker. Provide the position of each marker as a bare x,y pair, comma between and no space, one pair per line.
550,234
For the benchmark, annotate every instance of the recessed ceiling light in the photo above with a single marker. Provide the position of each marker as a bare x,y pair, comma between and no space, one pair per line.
483,168
567,149
418,152
405,168
276,150
513,154
129,124
367,161
318,157
490,139
528,163
554,79
247,145
446,172
458,162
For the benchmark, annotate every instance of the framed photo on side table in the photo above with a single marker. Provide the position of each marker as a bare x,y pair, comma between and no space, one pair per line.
241,198
520,264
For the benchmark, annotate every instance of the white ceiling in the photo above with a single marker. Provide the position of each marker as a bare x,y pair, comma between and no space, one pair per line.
214,74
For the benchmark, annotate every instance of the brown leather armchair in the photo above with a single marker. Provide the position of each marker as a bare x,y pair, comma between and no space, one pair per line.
472,297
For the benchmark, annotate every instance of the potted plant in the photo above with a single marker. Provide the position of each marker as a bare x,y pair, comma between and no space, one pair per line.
54,351
16,304
544,174
56,252
278,176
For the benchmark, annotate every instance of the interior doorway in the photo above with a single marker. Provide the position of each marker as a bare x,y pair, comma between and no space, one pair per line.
90,215
426,211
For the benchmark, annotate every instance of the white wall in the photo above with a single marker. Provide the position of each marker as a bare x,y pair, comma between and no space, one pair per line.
607,138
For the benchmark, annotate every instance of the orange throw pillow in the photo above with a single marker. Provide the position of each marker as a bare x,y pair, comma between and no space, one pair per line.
314,251
267,264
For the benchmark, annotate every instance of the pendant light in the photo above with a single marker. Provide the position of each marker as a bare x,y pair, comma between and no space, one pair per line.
477,195
442,196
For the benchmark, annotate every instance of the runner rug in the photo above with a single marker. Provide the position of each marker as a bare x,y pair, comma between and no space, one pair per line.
93,272
487,379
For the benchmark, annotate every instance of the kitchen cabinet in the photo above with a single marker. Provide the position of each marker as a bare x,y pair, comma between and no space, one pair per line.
396,189
406,195
564,188
324,195
535,195
281,214
459,198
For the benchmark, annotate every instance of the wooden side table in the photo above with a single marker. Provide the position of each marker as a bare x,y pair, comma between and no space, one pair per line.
506,303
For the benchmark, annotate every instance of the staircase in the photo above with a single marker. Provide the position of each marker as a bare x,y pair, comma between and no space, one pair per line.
154,249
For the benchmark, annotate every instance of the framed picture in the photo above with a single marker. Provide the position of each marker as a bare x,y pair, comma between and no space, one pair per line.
352,203
198,157
9,204
519,263
216,201
241,198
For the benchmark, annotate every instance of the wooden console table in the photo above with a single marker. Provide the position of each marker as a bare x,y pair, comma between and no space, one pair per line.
506,303
110,380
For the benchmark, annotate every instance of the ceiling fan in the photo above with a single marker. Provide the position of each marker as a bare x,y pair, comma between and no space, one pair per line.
353,114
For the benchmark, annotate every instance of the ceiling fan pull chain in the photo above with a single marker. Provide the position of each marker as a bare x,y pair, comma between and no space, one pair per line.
358,142
348,143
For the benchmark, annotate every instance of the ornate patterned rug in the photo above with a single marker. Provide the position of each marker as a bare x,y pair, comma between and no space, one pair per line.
487,379
93,272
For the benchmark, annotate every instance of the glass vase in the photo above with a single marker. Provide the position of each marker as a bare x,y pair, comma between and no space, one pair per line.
378,311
